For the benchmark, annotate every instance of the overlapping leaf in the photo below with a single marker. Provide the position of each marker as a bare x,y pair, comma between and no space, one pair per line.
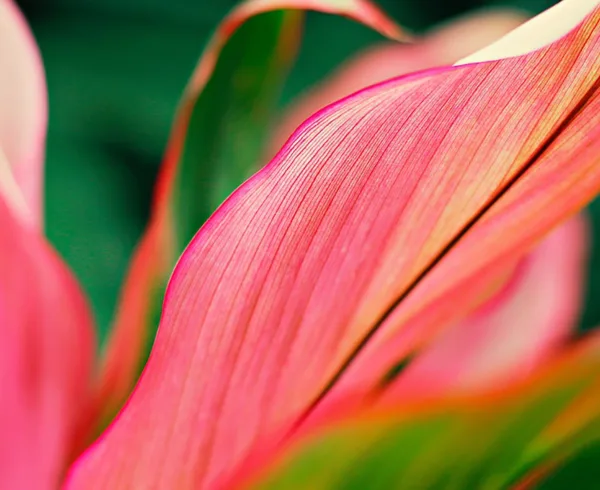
45,324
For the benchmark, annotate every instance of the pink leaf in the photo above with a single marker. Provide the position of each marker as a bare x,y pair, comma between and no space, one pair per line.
46,360
378,210
158,249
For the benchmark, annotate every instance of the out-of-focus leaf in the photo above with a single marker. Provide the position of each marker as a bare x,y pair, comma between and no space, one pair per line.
579,471
333,261
46,359
216,143
23,110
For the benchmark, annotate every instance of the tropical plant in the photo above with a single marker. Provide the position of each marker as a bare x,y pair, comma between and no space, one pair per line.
390,302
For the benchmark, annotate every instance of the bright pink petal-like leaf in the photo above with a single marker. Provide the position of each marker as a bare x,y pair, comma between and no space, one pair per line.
394,196
23,107
47,346
190,187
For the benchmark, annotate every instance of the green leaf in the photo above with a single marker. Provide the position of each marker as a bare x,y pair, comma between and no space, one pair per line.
232,117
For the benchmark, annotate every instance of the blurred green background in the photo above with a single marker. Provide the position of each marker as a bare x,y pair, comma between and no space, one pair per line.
115,71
